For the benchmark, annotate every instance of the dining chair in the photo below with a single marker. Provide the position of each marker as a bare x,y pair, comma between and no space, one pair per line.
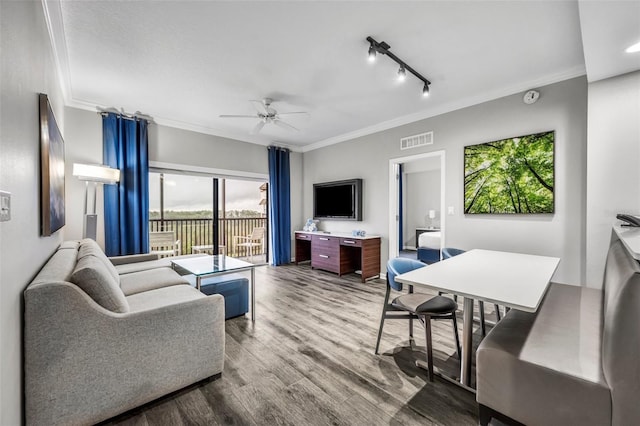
255,239
449,252
419,306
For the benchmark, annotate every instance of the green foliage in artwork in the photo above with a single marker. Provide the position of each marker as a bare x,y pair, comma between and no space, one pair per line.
513,175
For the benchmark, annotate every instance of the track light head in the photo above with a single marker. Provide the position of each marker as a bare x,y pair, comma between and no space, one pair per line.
402,73
372,53
425,90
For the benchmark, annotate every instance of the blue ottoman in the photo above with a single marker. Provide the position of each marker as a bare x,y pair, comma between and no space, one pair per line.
233,287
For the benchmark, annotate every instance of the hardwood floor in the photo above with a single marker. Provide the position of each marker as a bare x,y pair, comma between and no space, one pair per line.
308,360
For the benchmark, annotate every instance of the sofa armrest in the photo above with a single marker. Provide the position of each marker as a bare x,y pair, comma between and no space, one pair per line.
133,258
85,364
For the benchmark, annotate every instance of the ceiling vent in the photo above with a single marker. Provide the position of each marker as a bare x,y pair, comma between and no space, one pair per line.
415,141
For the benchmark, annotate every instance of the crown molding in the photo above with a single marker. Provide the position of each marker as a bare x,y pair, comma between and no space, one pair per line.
177,124
53,18
449,107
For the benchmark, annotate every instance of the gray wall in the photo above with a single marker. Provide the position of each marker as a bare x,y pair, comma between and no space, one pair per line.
27,69
562,107
613,184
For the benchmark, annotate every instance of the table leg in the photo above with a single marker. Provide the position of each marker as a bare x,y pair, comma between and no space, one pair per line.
467,336
253,294
198,282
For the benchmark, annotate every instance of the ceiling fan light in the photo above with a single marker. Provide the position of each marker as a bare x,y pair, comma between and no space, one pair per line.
402,73
425,91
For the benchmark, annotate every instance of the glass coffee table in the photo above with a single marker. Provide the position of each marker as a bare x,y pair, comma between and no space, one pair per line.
210,266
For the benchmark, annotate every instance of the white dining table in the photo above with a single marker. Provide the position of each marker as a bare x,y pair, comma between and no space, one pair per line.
515,280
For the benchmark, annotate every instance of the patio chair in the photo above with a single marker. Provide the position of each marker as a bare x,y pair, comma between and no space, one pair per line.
256,239
164,244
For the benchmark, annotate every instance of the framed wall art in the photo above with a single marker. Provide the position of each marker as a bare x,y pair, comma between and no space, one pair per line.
51,170
510,176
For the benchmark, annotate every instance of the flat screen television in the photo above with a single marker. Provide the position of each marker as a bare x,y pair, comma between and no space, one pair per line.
341,200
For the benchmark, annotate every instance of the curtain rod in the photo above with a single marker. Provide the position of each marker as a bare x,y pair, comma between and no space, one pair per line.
135,116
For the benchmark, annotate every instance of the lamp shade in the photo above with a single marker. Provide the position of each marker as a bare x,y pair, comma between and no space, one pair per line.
432,214
96,173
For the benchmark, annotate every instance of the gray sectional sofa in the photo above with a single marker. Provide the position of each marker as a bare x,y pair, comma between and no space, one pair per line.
102,337
575,361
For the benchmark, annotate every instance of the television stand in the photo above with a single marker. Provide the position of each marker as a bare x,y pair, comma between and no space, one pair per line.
339,253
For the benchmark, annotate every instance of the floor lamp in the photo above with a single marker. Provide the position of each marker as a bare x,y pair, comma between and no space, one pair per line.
95,174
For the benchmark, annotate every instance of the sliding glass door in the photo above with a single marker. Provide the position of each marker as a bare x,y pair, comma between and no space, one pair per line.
211,214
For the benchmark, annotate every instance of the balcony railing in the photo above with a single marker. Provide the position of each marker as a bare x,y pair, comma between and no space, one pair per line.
198,232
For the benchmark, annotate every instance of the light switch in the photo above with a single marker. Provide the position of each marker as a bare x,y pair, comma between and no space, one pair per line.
5,206
450,210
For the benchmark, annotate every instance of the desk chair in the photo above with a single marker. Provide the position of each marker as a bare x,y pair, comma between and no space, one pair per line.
450,252
416,305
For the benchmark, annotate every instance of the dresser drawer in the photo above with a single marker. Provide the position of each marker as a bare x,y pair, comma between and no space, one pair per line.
355,242
300,236
326,261
321,242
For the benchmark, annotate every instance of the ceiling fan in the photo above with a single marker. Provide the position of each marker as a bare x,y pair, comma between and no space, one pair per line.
267,115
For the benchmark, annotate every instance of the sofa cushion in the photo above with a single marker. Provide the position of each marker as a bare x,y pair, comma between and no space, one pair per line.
58,268
138,282
88,247
91,275
165,262
546,368
162,297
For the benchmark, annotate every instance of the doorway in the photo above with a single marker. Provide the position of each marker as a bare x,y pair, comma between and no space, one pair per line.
417,215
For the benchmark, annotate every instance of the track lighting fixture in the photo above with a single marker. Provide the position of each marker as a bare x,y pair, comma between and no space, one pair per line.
384,49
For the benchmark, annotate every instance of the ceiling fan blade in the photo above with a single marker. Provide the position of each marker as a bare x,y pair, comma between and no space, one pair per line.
259,106
293,113
284,125
236,116
257,128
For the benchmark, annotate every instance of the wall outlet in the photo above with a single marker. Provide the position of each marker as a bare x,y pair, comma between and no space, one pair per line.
5,206
450,211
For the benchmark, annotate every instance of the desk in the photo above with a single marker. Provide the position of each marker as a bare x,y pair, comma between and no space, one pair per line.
340,253
515,280
209,266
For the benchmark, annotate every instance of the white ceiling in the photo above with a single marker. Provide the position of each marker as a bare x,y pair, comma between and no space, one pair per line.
186,62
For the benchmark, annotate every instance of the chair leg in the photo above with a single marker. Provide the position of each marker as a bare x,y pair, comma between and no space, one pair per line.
384,313
498,313
482,325
454,320
410,328
427,332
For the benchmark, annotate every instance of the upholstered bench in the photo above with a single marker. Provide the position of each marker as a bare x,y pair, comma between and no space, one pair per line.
233,287
575,361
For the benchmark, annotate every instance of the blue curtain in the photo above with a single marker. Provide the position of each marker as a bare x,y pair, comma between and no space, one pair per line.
126,205
400,211
279,205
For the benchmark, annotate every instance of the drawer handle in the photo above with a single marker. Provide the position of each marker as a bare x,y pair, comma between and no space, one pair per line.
349,242
323,239
324,256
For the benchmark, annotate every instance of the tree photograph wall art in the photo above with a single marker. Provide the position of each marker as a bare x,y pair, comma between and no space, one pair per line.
514,175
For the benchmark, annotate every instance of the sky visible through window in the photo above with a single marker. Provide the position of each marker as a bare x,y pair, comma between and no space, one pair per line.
194,193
